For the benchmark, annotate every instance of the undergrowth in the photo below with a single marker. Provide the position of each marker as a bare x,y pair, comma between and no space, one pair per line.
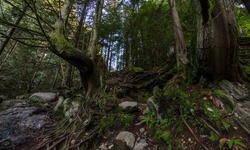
189,107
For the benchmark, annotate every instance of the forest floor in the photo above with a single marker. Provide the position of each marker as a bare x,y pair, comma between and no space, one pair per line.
188,116
138,87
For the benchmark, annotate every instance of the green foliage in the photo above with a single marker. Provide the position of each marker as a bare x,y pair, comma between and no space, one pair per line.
218,92
59,40
246,70
150,118
137,69
213,136
243,20
231,143
212,112
106,123
35,101
124,120
225,125
159,129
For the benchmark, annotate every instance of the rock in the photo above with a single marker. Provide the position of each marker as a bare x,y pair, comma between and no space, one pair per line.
120,145
59,104
129,106
111,146
126,137
237,91
69,106
45,97
153,106
11,104
103,147
142,130
141,145
22,96
19,121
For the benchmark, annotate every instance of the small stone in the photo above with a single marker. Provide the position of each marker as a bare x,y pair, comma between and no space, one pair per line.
129,106
127,137
210,109
103,147
73,141
204,98
140,146
111,146
40,96
138,139
189,139
142,130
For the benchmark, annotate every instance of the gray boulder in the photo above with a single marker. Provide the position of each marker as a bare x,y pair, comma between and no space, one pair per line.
45,97
19,121
129,106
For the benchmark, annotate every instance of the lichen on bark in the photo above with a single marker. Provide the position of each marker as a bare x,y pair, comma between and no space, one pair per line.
60,41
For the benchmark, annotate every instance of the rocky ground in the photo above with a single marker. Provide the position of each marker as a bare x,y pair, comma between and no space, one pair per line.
26,120
22,118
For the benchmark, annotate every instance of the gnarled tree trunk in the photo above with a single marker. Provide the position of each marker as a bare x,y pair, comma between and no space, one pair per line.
217,58
64,49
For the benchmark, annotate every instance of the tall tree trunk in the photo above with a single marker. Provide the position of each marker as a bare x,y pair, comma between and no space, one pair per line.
12,30
69,70
217,42
181,50
94,35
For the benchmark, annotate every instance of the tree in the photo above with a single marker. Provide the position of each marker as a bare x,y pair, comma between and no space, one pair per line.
69,71
217,42
12,30
84,62
181,50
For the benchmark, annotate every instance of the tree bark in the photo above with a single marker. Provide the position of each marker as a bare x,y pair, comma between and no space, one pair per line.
217,43
94,35
69,71
181,50
64,49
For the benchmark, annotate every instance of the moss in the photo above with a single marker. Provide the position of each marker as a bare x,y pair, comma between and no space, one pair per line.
206,10
218,93
246,70
35,101
59,40
124,120
138,69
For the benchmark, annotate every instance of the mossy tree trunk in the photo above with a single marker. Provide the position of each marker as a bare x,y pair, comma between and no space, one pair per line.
217,42
70,71
64,49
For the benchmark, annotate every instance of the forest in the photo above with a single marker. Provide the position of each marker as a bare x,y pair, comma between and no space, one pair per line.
124,74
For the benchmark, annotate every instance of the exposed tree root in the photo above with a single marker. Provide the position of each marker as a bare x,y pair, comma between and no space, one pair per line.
210,127
189,128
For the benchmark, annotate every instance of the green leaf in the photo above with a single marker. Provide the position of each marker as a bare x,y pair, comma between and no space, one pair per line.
238,142
230,143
